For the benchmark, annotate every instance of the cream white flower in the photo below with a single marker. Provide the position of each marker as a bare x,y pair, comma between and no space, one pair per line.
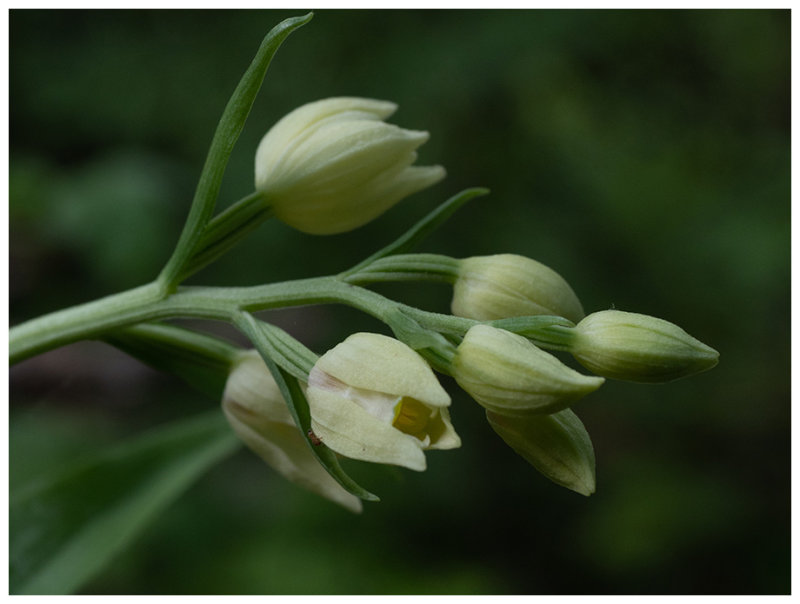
508,285
508,374
333,165
373,398
258,414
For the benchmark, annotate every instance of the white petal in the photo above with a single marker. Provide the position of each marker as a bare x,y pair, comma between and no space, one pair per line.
376,362
351,431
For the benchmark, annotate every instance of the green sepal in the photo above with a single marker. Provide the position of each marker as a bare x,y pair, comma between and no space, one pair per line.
298,407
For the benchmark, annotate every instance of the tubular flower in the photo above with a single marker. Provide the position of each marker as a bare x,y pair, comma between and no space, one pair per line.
258,415
638,348
507,285
507,374
557,445
333,165
373,398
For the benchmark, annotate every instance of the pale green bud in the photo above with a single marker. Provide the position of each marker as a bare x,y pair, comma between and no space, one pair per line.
638,348
333,165
259,416
373,398
507,285
557,445
508,374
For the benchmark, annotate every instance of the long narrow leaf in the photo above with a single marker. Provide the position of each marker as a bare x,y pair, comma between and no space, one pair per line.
230,126
66,527
421,229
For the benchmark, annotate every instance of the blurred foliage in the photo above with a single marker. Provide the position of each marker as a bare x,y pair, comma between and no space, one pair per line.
642,154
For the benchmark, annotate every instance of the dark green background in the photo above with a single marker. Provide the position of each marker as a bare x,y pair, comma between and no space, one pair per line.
642,154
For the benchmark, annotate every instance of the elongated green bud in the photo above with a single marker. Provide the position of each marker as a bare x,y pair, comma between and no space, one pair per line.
507,285
638,348
333,165
507,374
557,445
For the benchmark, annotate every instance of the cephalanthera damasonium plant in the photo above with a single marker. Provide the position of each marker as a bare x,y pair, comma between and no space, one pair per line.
329,167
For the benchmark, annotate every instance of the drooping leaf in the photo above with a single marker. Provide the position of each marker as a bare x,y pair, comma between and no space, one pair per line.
66,526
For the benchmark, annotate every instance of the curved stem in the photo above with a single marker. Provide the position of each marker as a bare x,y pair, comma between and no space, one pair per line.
82,321
150,303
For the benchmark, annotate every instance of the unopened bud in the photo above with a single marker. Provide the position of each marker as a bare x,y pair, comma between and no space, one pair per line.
507,285
507,374
638,348
333,165
557,445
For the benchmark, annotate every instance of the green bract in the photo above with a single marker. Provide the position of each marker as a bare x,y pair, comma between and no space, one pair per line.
507,285
638,348
333,165
557,445
258,414
507,374
373,398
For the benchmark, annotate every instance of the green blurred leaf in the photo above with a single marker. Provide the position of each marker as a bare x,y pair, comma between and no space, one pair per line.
202,361
65,527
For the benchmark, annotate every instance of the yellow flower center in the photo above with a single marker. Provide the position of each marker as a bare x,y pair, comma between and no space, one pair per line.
411,417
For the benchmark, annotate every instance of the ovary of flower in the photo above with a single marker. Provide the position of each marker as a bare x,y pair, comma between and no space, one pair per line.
373,398
259,416
333,165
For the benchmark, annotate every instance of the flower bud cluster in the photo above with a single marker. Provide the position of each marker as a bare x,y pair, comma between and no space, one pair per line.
334,165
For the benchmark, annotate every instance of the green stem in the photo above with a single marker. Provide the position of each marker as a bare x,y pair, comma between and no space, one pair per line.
225,230
407,267
82,322
149,303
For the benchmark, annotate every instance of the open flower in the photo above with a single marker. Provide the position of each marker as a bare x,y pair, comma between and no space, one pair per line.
373,398
508,374
333,165
258,414
638,348
508,285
